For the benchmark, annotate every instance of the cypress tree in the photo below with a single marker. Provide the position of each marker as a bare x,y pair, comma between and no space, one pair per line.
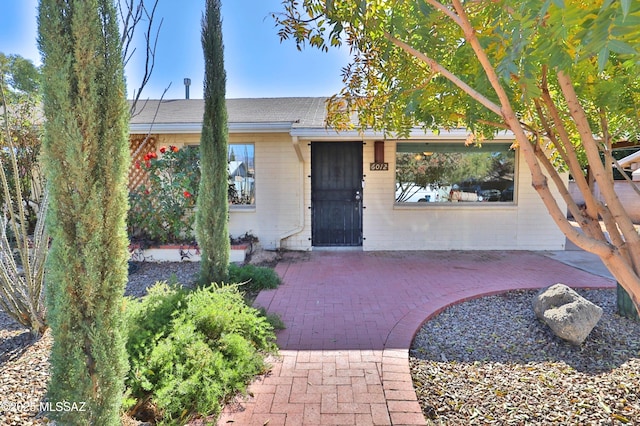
86,157
212,214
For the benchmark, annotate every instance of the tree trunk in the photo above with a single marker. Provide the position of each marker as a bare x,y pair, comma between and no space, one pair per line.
625,304
622,259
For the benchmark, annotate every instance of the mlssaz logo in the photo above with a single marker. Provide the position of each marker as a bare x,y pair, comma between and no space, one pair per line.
63,406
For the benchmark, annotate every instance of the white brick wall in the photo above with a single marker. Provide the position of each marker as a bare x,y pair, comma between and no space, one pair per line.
278,188
280,182
486,226
302,240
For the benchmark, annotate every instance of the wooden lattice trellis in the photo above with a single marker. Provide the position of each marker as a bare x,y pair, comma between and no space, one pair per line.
138,147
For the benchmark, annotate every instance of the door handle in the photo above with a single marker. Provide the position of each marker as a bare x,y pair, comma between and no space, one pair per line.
358,196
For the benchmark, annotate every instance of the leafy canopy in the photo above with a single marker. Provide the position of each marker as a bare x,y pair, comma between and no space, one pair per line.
405,50
20,75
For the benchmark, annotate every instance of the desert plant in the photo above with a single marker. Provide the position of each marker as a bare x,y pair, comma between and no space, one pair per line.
21,276
21,139
190,350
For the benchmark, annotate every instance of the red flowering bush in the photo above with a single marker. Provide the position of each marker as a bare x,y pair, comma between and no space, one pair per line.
161,212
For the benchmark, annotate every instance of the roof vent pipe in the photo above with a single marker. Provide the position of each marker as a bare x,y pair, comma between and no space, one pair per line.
187,83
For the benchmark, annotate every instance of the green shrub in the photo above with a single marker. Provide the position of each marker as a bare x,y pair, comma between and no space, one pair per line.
190,350
273,319
256,277
148,322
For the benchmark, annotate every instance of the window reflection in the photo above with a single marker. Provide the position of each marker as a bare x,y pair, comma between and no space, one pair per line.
454,173
241,167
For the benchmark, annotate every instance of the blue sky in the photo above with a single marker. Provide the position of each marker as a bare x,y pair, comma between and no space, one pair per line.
257,64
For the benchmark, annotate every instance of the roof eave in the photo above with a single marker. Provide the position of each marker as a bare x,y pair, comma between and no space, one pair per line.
315,133
417,133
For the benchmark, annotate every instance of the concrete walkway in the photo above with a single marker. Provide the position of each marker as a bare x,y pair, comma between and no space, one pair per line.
351,317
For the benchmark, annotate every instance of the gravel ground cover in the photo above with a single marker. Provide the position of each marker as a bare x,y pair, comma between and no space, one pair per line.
490,361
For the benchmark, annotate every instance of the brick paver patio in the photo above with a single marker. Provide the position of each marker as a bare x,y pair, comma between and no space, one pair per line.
351,317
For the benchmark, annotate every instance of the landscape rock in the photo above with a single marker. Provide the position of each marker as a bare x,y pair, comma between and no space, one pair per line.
569,315
262,257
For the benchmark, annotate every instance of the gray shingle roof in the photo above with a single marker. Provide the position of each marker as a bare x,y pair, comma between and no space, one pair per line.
301,112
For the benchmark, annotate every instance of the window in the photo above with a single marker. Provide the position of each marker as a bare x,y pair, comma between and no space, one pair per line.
241,161
454,173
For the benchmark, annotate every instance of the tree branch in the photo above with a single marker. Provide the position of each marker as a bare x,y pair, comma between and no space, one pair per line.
625,176
129,20
436,67
539,180
567,151
559,183
611,199
131,15
448,12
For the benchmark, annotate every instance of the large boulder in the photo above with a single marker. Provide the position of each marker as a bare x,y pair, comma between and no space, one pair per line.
569,315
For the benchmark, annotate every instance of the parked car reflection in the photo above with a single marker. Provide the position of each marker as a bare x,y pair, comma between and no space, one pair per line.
490,195
507,194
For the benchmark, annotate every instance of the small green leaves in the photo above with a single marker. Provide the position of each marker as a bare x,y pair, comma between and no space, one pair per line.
603,57
190,350
424,8
626,7
619,46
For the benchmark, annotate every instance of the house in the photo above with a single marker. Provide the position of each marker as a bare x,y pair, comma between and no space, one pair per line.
631,163
304,186
627,155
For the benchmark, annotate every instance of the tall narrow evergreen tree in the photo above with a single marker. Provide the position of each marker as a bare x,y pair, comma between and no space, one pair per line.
86,157
211,217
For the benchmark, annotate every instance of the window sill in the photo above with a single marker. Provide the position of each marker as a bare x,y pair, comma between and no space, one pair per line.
242,208
456,206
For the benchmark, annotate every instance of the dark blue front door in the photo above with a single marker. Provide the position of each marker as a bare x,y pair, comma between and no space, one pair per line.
336,193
